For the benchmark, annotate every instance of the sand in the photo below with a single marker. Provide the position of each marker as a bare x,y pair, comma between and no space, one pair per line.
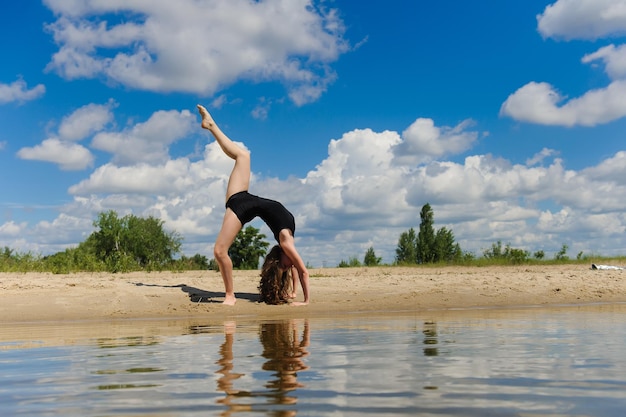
43,297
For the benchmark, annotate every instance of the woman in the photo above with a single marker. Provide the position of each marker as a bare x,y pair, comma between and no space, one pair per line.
242,207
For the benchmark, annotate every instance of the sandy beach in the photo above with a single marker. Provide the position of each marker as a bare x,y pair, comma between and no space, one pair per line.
38,297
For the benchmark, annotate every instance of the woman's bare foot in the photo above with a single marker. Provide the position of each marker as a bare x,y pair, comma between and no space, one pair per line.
207,120
230,327
229,300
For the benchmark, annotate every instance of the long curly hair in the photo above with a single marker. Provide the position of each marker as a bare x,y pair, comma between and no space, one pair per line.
275,284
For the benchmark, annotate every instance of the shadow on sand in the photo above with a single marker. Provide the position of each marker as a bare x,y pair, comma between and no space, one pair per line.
196,295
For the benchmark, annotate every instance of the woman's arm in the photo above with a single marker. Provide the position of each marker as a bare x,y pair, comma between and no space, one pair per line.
288,246
295,277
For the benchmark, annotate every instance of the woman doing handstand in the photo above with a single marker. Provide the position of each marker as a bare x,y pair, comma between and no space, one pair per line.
241,207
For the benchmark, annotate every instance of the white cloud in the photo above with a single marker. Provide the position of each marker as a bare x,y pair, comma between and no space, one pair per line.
540,156
262,109
12,229
188,196
614,59
612,169
423,141
149,141
170,178
61,149
65,228
86,121
69,156
199,47
583,19
219,101
18,91
363,194
541,103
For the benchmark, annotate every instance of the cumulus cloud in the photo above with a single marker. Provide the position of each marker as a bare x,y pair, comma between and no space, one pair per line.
69,156
614,59
611,170
583,19
12,229
138,179
19,91
142,143
362,195
540,156
357,176
423,141
65,228
199,47
146,142
61,149
86,120
542,103
365,193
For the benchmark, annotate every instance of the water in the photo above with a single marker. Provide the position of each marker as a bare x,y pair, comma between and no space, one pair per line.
566,361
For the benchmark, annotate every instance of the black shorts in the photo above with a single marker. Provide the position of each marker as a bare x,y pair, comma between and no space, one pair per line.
247,206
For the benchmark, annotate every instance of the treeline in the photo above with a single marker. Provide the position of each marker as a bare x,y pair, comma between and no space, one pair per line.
430,246
131,243
119,244
426,246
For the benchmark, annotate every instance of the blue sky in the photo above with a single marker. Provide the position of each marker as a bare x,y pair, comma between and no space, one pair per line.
506,116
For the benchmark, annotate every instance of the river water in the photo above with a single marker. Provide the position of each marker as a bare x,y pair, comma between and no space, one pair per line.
558,361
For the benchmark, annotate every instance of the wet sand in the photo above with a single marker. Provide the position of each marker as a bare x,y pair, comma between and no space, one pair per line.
43,297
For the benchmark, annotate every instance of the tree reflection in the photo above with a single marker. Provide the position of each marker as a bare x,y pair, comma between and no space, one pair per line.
430,339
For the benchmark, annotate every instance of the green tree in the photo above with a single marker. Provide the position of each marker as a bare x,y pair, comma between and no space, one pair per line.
428,246
149,245
509,254
74,259
425,247
132,242
106,241
406,250
247,248
370,258
495,251
562,254
445,249
194,263
353,262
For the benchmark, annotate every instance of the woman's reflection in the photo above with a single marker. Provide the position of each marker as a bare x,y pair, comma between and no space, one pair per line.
284,352
225,382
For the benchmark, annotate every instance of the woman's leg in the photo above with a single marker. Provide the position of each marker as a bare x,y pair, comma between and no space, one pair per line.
230,227
240,176
239,181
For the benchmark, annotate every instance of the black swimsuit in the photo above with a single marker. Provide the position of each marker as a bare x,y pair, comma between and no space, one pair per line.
247,206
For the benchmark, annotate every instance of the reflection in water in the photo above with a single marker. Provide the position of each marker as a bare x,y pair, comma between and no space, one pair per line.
225,382
430,339
284,351
532,362
109,343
